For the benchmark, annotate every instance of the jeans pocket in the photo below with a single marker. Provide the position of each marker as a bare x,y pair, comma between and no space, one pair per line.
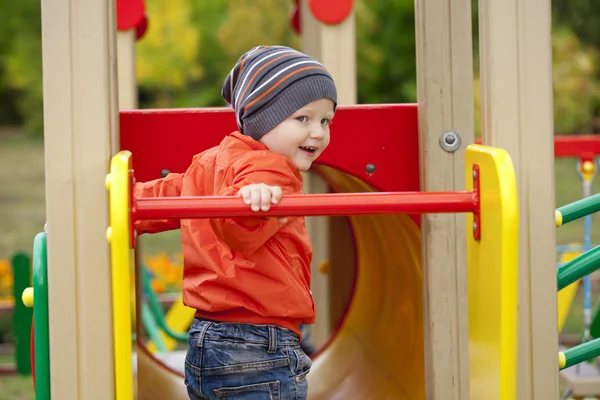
192,381
300,369
302,366
193,369
258,391
302,363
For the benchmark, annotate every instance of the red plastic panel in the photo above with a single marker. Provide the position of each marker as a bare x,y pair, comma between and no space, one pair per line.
130,13
141,28
330,11
295,17
384,136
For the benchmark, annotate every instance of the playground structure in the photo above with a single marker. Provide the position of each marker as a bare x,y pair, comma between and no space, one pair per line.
378,263
493,188
583,380
83,133
15,276
585,151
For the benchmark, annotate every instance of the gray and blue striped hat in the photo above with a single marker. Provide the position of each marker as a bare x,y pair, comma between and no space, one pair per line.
269,83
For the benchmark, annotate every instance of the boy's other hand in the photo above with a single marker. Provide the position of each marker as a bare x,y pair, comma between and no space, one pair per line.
260,196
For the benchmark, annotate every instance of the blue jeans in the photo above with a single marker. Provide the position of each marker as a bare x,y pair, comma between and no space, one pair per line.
245,362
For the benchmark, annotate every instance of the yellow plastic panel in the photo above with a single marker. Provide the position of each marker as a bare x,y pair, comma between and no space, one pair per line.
493,276
178,318
567,295
118,234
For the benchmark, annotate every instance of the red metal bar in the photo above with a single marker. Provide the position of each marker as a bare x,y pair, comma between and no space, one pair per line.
575,146
309,205
584,146
477,212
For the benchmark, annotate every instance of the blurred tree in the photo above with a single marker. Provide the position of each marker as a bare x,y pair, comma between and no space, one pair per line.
21,63
575,87
251,23
190,46
386,57
203,40
574,75
207,17
167,55
582,16
243,24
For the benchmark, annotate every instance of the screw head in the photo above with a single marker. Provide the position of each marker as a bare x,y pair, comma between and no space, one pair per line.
370,168
164,173
450,141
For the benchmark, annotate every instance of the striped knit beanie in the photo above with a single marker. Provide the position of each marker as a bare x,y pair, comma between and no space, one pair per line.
270,83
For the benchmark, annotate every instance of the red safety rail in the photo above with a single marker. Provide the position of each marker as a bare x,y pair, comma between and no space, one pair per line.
585,147
582,146
132,14
310,205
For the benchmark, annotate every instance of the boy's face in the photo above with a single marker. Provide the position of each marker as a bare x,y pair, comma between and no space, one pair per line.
304,135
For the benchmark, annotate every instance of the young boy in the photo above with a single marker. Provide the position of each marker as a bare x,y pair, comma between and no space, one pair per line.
249,278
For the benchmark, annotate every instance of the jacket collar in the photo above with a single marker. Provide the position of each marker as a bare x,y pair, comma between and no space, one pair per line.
250,142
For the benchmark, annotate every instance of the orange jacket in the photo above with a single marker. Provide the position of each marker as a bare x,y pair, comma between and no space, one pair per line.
254,270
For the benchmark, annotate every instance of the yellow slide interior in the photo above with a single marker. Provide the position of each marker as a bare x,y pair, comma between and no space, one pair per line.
377,352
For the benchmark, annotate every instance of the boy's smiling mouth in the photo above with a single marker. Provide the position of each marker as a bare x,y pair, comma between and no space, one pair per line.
308,149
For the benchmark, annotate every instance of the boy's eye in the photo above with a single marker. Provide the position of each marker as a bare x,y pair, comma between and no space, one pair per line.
326,121
302,118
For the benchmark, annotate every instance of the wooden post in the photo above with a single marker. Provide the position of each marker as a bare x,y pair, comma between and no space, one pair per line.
445,96
79,117
126,42
334,46
517,115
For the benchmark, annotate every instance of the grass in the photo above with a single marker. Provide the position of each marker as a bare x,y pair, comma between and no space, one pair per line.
14,387
22,207
22,216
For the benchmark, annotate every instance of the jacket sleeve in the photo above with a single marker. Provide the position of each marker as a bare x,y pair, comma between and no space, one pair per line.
170,186
248,234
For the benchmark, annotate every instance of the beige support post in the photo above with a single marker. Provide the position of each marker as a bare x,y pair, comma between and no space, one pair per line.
445,97
334,46
317,230
517,115
126,42
79,119
115,139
